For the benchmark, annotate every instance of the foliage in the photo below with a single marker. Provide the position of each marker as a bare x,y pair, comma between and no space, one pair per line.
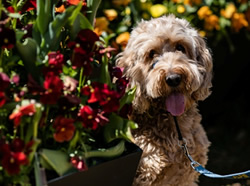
62,103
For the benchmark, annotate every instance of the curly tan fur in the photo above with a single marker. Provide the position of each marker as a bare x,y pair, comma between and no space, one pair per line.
156,49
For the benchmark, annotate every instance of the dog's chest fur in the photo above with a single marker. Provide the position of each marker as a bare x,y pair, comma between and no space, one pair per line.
162,156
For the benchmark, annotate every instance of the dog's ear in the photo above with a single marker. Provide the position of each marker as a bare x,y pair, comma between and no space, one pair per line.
204,59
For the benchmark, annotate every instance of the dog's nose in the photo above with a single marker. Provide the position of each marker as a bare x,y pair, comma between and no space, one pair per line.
173,80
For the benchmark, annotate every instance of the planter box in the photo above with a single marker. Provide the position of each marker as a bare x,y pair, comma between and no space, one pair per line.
117,172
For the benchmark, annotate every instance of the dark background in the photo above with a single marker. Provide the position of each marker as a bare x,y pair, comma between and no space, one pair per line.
226,113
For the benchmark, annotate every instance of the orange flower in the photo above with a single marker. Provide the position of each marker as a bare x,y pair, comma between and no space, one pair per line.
101,25
123,38
121,2
60,9
73,2
204,12
248,15
27,110
65,129
192,2
229,11
212,22
177,1
111,14
239,21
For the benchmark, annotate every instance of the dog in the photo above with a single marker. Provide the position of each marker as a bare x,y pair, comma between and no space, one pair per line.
171,66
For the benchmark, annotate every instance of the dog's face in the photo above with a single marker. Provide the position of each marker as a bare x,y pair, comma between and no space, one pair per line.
167,60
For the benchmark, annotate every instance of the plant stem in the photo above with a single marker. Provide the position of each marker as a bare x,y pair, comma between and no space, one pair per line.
81,80
36,120
0,9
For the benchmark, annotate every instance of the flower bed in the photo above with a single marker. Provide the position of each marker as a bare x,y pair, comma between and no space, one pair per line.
62,103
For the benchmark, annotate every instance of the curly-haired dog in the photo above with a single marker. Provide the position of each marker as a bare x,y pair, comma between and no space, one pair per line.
171,67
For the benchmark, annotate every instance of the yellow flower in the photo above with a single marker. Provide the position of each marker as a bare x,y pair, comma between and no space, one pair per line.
239,21
212,22
229,11
127,11
181,9
158,10
123,38
121,2
204,12
101,24
202,33
111,14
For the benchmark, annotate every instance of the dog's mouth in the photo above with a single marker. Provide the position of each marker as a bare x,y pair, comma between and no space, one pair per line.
175,103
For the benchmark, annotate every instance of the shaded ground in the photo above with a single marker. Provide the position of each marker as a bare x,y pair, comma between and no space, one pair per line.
226,114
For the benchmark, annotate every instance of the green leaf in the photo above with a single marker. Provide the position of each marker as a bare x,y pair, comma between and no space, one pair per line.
45,10
107,153
92,6
104,76
128,97
19,34
57,160
28,53
118,128
52,37
79,23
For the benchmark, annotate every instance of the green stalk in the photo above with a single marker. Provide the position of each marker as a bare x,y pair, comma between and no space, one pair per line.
36,120
0,9
81,80
14,23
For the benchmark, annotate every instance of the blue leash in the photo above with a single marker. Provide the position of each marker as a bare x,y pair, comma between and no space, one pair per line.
200,169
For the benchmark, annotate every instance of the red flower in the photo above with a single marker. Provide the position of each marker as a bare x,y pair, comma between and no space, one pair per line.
14,155
78,163
53,89
88,117
7,37
65,129
11,9
83,49
121,85
56,60
26,110
98,92
2,99
4,81
91,118
29,5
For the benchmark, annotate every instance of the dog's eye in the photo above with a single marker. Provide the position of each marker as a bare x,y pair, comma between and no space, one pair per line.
152,54
153,65
181,48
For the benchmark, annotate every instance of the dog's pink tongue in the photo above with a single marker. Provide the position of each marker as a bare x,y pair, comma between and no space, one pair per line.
175,104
